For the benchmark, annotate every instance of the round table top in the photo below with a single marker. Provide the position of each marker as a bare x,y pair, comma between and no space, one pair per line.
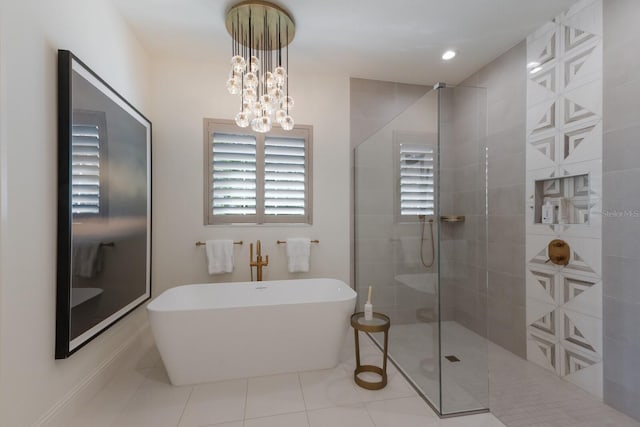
379,322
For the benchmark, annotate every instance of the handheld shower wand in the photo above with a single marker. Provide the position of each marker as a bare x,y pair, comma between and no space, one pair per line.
423,220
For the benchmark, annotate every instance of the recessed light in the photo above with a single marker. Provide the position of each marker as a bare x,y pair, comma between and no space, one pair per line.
450,54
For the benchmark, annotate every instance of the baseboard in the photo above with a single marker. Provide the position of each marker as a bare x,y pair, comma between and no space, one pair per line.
70,404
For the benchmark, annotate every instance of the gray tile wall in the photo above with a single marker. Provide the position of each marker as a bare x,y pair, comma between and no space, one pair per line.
621,206
463,245
374,103
505,80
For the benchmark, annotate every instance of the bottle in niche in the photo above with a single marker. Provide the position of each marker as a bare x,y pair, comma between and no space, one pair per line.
563,211
547,213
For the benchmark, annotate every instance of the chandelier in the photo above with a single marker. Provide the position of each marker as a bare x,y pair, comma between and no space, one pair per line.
260,31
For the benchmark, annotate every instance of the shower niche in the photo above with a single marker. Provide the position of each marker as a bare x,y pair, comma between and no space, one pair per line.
562,200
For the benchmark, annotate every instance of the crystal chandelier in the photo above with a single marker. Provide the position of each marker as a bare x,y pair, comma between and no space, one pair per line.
260,31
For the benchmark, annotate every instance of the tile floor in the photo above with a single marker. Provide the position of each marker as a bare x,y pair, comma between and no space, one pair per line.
521,394
140,395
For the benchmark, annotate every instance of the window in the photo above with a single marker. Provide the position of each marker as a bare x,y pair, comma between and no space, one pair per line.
257,178
88,141
416,178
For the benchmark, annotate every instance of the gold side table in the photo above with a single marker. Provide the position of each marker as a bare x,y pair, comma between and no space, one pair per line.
379,323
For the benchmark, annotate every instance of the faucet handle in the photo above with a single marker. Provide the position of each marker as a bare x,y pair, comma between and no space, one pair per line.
267,260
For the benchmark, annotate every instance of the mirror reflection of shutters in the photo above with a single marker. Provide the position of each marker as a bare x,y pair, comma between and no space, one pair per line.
85,162
416,179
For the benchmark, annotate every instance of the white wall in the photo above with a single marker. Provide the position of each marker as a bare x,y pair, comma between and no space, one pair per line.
176,95
186,91
31,31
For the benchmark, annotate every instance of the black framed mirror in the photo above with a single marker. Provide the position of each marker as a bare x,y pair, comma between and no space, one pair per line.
104,206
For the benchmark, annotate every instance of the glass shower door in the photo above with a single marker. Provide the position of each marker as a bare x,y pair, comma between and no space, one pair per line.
396,247
420,212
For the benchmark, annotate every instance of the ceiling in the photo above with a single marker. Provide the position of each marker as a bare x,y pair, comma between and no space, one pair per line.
397,40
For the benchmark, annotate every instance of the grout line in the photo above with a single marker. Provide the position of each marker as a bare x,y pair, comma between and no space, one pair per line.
366,409
279,413
304,401
246,399
261,417
186,403
145,372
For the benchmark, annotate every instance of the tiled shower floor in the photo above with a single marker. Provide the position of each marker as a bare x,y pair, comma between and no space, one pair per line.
465,384
520,393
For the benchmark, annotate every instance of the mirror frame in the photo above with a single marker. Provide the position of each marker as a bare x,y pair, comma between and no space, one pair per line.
68,63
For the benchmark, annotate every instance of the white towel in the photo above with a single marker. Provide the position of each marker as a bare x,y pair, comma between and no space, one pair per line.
298,251
86,259
219,256
410,250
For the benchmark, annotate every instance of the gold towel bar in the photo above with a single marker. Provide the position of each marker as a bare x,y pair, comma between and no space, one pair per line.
284,241
452,218
203,243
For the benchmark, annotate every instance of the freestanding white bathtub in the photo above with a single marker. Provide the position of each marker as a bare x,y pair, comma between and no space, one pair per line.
213,332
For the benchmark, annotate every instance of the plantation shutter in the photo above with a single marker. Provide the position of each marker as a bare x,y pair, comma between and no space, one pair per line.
257,178
234,174
416,179
85,169
284,176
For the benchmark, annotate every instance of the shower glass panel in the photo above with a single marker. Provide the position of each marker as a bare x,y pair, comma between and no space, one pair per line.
420,243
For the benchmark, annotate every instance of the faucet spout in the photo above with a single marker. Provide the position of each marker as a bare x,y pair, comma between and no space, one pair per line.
258,263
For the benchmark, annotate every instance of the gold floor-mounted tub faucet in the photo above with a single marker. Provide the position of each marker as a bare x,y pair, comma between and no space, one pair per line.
258,263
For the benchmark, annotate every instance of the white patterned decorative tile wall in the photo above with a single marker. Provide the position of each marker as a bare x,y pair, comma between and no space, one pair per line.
564,138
